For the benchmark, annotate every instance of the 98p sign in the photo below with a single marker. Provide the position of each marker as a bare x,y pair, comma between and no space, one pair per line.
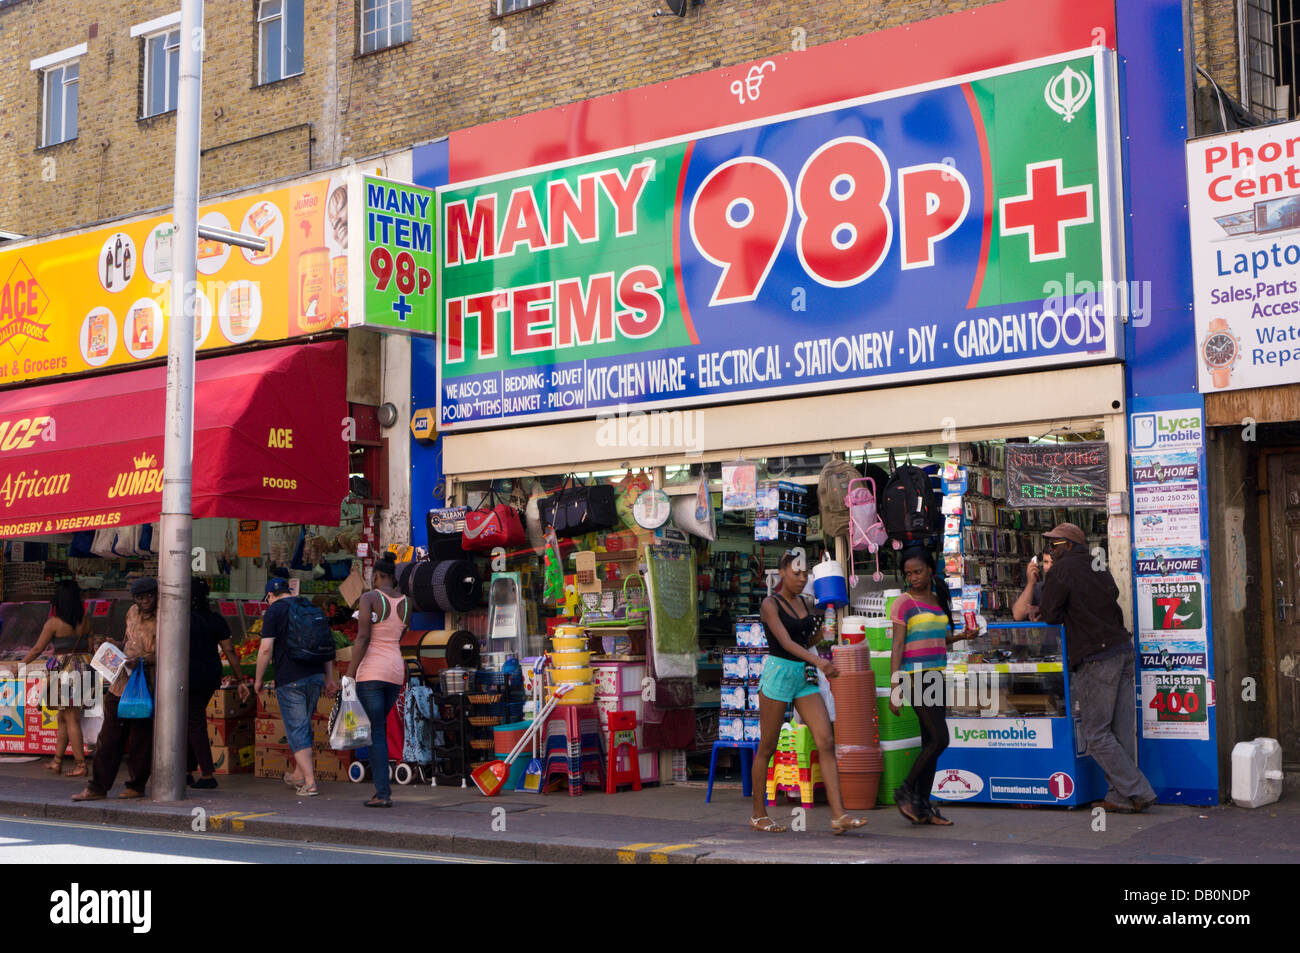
399,263
965,228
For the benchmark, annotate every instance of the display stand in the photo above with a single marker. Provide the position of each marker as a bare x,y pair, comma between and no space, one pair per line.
1014,735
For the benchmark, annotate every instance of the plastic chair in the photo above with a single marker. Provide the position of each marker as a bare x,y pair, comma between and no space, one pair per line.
746,749
622,745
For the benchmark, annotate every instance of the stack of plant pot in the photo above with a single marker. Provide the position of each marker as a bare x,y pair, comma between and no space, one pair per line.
857,733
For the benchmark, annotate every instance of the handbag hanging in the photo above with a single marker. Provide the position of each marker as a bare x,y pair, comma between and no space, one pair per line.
496,525
576,509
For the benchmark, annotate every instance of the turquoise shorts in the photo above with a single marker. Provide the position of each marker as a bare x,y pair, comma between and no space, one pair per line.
784,680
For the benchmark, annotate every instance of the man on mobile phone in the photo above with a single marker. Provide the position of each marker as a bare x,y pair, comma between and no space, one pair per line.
1026,605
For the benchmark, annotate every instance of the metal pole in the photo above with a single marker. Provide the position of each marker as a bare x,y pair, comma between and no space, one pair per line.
169,738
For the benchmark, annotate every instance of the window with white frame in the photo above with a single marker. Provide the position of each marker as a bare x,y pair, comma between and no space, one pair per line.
59,112
279,32
384,23
161,71
510,6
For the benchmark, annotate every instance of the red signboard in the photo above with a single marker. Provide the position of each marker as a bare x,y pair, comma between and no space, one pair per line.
268,444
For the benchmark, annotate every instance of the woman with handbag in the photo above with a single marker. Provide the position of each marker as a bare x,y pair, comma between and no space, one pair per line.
791,632
380,671
67,634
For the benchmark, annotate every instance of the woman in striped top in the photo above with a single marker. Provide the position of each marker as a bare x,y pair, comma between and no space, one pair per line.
923,630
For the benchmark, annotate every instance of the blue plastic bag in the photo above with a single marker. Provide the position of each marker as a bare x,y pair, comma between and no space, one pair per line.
136,701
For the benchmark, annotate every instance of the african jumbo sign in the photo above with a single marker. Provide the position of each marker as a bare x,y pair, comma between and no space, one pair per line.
959,228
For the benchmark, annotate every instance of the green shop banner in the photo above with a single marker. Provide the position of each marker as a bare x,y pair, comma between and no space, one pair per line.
396,273
963,229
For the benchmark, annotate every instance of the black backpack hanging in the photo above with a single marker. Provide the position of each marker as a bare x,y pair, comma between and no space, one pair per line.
908,509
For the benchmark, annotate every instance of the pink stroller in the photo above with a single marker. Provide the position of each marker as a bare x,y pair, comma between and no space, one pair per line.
866,529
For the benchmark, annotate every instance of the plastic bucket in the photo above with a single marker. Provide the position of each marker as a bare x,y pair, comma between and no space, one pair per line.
831,590
853,628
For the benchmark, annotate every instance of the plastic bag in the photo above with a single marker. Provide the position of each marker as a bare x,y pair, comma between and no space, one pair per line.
136,701
349,725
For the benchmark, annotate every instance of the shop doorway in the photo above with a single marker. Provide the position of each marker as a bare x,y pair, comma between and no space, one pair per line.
1283,585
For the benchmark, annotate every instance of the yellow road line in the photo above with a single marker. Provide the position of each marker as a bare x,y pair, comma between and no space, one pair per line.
627,854
238,823
660,856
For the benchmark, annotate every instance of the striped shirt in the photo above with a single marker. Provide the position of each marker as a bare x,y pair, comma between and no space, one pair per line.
925,644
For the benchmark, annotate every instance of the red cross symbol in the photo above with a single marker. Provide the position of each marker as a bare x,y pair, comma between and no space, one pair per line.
1046,210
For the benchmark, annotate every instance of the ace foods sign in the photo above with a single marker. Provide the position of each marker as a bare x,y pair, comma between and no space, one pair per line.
957,229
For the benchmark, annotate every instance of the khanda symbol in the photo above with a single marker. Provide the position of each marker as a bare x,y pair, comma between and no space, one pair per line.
1067,92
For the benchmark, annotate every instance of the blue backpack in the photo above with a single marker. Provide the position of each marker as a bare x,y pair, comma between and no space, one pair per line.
310,637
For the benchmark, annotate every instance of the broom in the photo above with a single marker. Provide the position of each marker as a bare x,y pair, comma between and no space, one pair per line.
491,777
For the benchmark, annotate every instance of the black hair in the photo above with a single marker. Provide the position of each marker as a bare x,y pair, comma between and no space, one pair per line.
788,557
199,592
941,591
387,567
67,602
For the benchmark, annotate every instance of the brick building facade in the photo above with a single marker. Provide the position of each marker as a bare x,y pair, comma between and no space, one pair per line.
464,65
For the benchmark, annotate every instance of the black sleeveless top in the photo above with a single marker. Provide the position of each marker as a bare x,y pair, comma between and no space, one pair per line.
800,630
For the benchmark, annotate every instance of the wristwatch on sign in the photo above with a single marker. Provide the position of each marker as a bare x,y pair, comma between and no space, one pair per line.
1219,350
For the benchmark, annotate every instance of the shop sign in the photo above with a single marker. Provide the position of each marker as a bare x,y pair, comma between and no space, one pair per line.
1244,214
1174,654
1000,732
398,266
1058,787
1169,560
1176,705
1171,603
962,228
1165,430
1070,474
102,299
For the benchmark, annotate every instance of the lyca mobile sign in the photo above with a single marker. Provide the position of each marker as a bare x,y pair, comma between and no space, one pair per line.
959,229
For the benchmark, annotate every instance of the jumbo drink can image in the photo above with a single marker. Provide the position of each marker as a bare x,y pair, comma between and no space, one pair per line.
313,290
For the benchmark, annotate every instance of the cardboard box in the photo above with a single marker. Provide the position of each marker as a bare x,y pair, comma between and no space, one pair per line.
271,761
269,732
329,766
320,731
232,760
268,706
230,732
225,703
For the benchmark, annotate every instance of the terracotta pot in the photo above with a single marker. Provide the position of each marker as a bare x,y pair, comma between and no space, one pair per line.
858,791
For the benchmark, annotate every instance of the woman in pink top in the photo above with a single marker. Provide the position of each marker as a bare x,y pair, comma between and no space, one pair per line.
380,672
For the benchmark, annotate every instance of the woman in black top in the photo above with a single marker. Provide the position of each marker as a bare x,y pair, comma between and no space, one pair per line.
790,629
208,632
67,634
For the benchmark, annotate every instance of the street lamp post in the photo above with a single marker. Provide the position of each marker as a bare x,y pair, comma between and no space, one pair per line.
170,708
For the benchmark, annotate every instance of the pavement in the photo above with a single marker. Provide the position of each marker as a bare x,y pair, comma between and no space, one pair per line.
670,824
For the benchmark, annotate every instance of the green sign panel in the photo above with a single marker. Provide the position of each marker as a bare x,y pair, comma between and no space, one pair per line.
1177,605
398,271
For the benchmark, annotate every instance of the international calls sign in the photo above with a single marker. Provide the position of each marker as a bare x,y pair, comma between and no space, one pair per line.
958,229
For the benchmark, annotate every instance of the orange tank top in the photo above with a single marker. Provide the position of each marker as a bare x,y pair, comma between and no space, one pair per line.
383,661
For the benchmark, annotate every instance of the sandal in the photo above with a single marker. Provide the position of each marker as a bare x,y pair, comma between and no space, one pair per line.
843,823
304,790
378,801
292,781
765,825
55,765
932,816
906,805
79,771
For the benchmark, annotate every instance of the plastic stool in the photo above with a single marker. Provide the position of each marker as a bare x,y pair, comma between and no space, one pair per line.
575,750
622,744
746,750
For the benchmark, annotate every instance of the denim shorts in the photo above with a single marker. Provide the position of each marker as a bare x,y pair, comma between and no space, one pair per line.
784,680
297,705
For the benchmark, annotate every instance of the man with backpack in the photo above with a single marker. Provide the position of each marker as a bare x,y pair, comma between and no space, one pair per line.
297,637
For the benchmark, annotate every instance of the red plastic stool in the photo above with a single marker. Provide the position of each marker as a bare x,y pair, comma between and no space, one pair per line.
622,744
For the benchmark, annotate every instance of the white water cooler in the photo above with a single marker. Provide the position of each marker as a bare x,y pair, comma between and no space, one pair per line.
1256,772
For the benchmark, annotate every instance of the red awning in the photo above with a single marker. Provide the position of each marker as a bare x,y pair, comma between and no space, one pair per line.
269,444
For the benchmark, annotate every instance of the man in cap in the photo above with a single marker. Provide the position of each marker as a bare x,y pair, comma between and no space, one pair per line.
1100,660
298,684
130,736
